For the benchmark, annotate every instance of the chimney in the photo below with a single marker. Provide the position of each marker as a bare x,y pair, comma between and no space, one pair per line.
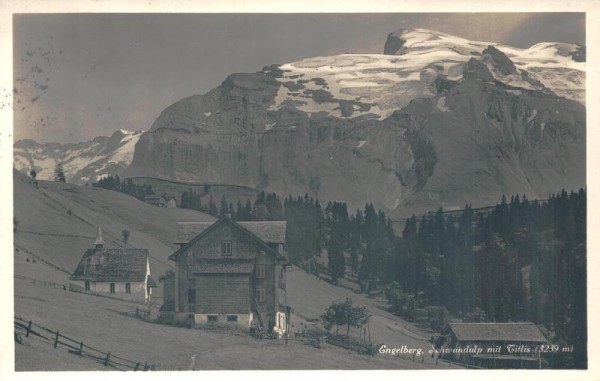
99,239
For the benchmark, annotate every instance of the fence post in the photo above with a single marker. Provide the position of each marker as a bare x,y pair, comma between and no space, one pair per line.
29,328
107,359
137,366
146,366
136,312
56,340
80,348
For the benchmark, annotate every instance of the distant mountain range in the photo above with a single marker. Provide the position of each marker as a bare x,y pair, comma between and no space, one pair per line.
435,121
83,163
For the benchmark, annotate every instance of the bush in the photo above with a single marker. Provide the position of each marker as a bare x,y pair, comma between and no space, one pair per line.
437,317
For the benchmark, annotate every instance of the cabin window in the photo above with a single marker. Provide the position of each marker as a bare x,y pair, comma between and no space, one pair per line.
192,296
232,318
226,248
112,288
87,285
128,288
212,318
260,295
260,271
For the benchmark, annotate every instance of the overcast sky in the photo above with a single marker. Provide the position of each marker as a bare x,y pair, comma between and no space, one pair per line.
79,76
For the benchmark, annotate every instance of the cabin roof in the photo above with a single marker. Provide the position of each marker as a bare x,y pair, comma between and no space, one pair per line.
223,266
209,226
112,265
267,231
515,332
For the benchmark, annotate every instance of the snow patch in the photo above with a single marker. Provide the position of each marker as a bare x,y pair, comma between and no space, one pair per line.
361,143
207,114
533,114
441,104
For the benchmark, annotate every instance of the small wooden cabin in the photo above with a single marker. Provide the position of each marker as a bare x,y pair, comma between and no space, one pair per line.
503,345
229,272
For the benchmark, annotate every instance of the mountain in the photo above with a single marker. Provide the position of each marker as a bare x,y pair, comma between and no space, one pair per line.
557,67
84,162
437,121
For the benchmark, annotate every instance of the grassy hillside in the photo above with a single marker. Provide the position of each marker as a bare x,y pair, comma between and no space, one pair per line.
56,238
97,322
58,222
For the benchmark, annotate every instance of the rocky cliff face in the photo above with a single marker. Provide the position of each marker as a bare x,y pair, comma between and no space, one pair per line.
409,132
84,162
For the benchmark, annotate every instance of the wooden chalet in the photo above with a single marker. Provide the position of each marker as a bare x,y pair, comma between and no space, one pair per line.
229,272
156,200
124,273
503,345
167,200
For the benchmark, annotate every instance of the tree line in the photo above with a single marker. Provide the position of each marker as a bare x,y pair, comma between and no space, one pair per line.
521,260
127,186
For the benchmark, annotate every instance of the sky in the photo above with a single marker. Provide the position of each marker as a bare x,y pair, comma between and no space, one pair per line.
78,76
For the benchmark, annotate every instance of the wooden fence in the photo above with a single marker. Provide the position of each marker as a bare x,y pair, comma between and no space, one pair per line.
44,283
352,344
138,314
77,347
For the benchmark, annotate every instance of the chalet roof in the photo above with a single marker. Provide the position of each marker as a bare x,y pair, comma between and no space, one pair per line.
207,227
267,231
515,332
169,196
223,266
112,265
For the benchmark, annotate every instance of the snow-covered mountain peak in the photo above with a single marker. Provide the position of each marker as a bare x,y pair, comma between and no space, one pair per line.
84,162
351,85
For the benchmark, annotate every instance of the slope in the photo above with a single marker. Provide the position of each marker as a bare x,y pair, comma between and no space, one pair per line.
58,222
47,233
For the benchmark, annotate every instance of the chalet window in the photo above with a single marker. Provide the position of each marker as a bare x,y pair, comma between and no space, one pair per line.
226,248
260,271
112,288
212,318
232,318
192,296
282,278
128,288
87,285
260,295
226,234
